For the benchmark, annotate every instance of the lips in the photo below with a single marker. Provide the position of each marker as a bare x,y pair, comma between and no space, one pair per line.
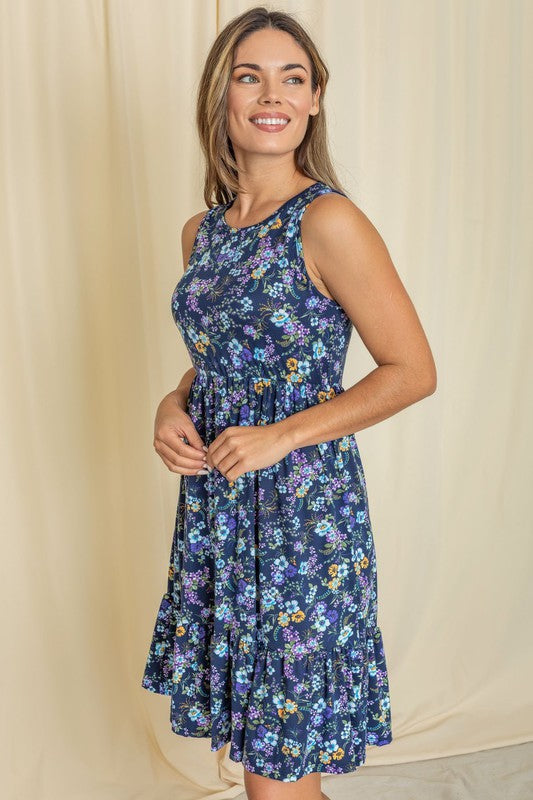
270,123
268,115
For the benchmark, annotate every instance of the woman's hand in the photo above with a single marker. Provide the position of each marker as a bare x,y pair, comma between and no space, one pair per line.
172,423
241,448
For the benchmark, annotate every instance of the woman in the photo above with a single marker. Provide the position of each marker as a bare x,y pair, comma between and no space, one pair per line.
267,636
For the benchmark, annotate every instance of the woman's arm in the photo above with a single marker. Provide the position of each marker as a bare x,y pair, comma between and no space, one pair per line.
348,253
182,392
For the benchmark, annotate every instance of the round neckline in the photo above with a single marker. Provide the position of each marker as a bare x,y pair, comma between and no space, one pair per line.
262,222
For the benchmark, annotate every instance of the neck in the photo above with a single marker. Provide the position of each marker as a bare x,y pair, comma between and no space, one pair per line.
266,181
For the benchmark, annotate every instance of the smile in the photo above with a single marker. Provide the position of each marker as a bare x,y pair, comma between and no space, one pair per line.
270,123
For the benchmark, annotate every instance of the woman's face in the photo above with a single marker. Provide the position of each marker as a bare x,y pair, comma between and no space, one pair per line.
274,81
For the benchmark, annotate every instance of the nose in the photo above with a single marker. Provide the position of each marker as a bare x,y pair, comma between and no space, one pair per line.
270,94
268,100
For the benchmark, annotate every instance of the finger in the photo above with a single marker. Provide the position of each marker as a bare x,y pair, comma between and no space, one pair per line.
191,450
225,442
179,439
182,448
182,442
227,462
179,459
218,449
193,437
180,470
179,446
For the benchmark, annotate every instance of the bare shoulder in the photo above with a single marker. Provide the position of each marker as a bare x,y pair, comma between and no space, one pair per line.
341,245
341,241
332,215
188,235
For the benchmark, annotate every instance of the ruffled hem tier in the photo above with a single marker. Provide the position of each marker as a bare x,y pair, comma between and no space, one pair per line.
318,709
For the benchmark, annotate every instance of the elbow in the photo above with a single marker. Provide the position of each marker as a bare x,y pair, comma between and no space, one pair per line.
417,382
427,375
423,382
428,381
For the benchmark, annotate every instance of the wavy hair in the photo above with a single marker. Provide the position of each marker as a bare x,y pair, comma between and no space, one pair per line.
221,171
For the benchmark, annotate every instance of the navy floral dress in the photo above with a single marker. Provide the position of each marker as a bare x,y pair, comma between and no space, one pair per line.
267,635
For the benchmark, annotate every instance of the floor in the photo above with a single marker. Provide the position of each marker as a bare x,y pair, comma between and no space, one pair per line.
504,773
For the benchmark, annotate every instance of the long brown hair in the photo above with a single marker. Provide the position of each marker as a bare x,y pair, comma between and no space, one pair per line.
221,172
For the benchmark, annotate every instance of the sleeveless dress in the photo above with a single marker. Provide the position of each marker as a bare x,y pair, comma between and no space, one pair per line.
267,635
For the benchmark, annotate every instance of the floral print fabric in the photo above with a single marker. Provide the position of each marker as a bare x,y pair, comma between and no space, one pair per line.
267,635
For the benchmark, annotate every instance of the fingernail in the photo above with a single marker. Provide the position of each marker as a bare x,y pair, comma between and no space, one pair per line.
202,472
204,447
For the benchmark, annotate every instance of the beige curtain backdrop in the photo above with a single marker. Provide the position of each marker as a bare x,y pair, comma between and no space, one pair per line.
431,129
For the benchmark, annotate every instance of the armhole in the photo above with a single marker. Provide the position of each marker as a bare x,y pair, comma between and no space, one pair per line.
303,273
199,229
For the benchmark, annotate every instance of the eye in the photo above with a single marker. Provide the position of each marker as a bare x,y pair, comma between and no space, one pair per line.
254,78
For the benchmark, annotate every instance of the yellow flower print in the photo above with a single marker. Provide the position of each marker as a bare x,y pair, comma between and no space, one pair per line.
333,569
266,228
180,630
258,272
202,342
323,396
301,491
292,363
283,618
289,707
364,562
294,749
325,757
244,644
293,377
171,571
334,583
260,385
298,616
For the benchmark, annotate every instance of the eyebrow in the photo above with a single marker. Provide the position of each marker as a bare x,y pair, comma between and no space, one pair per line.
258,68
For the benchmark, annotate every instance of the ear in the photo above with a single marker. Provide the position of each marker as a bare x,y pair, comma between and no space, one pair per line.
315,108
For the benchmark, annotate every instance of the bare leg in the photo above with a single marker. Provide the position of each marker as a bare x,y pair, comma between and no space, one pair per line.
258,787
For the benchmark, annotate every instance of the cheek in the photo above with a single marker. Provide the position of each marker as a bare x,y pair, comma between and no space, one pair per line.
230,103
236,101
304,105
